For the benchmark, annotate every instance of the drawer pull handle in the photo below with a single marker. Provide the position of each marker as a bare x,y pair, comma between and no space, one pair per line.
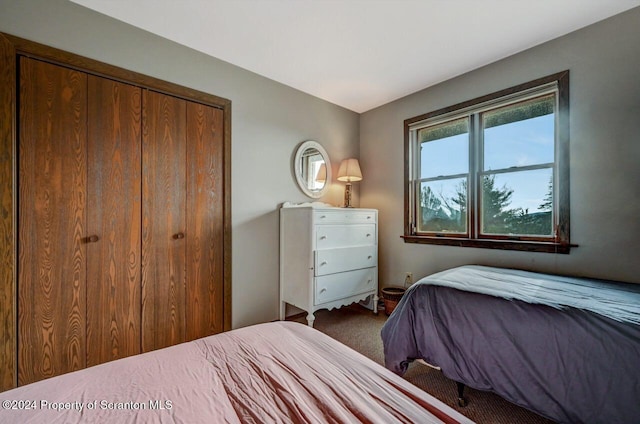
368,235
323,263
369,281
323,216
323,237
368,217
369,257
323,290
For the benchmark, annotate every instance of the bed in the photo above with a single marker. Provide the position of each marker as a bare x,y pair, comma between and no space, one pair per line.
281,372
565,348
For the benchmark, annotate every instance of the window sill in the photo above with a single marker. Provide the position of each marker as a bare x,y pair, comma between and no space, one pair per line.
527,246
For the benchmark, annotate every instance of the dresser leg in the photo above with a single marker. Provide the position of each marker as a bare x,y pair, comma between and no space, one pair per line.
375,304
310,319
283,310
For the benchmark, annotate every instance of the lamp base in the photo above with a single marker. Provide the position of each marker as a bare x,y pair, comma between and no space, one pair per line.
347,196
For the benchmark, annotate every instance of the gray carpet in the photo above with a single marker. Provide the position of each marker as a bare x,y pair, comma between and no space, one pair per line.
359,328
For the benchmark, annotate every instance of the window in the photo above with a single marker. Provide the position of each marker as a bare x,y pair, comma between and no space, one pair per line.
312,162
492,172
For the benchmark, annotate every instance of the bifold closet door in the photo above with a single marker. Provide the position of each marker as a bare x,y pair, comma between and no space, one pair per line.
182,253
79,237
114,220
163,220
204,221
52,184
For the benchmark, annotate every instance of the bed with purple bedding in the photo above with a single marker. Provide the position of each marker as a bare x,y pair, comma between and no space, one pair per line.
565,348
280,372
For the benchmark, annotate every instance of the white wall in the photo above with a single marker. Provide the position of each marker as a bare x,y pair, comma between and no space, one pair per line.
268,121
604,64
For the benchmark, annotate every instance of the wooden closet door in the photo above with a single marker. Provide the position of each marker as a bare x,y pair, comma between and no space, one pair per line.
8,312
52,220
114,219
163,220
205,218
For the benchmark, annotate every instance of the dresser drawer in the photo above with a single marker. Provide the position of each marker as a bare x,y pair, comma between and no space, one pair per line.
344,216
337,286
330,261
332,236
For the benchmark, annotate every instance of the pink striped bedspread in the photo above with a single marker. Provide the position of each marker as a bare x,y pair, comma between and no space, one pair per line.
281,372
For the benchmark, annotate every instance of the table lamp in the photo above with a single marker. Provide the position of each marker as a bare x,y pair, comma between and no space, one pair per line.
349,171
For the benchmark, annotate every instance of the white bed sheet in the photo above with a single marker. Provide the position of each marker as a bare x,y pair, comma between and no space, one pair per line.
618,301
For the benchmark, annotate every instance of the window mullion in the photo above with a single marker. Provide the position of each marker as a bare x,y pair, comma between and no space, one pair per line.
475,165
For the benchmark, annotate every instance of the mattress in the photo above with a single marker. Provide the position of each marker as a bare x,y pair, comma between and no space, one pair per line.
281,372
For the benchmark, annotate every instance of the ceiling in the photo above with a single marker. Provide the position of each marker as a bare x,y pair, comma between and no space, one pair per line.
359,54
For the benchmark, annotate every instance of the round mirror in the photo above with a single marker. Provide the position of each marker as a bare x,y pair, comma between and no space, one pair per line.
312,168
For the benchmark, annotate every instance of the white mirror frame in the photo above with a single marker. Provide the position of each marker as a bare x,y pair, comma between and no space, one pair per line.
297,169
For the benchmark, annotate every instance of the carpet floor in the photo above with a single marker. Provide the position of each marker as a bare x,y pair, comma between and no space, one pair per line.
359,329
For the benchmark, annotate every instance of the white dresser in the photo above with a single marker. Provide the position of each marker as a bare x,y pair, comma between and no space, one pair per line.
328,257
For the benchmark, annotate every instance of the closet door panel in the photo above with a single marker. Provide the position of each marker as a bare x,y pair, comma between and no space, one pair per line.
52,220
204,220
163,220
8,312
114,214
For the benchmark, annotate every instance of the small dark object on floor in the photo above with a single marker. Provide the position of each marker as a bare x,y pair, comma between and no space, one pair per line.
391,296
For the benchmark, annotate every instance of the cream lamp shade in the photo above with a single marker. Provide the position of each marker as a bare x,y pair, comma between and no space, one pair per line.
349,170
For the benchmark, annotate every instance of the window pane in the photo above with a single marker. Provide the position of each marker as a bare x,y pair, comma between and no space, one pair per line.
442,206
315,163
518,203
520,134
444,149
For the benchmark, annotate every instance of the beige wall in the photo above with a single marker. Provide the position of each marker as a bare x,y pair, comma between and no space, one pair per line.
604,64
268,121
